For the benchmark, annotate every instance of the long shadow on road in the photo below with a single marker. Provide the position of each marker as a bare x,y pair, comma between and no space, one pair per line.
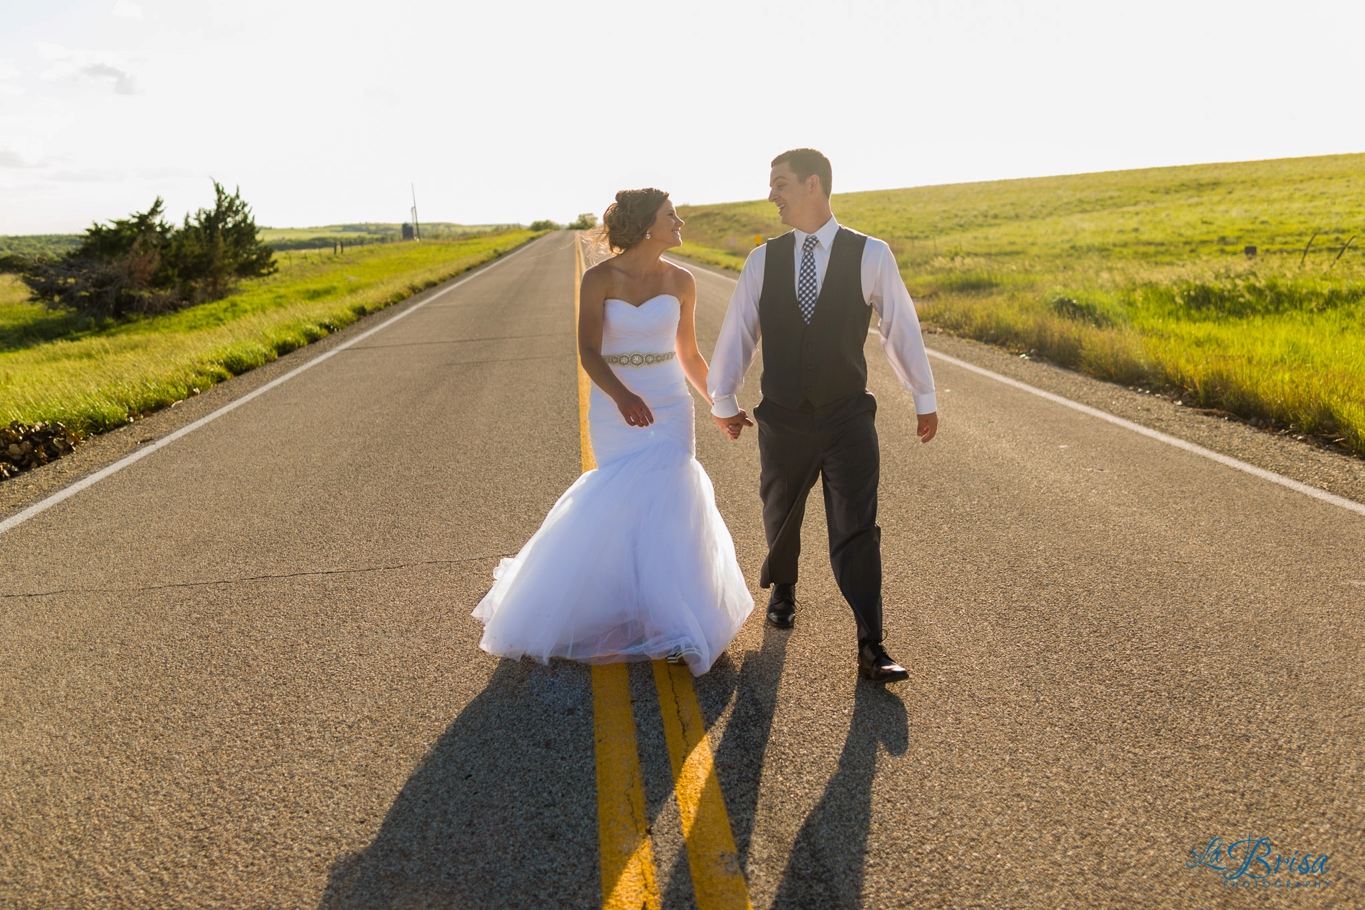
501,812
751,683
741,752
826,865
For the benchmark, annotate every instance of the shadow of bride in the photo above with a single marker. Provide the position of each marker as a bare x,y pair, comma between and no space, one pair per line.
501,812
825,868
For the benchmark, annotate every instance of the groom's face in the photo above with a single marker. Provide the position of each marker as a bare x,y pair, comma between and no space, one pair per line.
793,197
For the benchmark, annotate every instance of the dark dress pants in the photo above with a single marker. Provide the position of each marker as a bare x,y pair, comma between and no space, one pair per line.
837,443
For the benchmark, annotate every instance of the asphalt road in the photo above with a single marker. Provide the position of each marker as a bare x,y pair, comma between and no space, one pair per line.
242,671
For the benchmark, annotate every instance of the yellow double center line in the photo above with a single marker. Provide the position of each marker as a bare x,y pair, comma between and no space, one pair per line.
629,878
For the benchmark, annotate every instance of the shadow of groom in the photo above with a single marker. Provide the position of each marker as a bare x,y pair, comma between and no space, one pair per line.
826,865
742,750
501,812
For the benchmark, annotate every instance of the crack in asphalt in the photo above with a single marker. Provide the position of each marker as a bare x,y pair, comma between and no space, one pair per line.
229,581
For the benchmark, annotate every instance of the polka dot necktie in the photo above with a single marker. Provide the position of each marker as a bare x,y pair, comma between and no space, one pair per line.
805,284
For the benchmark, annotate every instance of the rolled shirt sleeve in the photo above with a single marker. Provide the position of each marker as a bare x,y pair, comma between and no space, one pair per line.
899,325
737,344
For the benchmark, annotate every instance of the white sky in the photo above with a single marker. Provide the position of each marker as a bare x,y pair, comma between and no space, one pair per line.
510,111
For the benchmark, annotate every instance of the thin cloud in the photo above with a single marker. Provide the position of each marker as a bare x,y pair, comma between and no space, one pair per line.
11,158
7,74
49,51
90,175
123,82
95,65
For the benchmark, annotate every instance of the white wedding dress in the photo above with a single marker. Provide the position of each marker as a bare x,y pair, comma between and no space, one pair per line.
634,561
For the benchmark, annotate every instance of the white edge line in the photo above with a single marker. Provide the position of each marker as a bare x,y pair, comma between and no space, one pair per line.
1235,464
67,492
1162,437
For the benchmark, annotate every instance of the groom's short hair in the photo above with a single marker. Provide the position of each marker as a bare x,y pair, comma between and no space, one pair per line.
805,162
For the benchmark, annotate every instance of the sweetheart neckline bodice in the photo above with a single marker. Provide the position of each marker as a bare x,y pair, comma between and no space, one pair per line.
642,304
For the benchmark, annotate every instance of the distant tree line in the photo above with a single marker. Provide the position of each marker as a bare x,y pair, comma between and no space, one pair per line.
144,265
585,221
49,245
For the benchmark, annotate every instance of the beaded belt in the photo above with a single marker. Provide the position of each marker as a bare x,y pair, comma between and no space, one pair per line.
639,360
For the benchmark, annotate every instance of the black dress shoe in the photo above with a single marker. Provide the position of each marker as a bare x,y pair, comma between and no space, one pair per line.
782,606
876,665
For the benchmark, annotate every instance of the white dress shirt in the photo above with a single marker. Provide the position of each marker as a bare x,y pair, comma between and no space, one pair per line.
883,290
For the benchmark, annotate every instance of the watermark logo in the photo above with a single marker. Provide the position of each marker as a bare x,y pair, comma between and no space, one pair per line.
1253,862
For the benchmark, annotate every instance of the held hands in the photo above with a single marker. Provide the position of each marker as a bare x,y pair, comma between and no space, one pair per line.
927,426
635,411
732,426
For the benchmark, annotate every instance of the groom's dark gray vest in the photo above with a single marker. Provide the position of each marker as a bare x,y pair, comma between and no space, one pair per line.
822,362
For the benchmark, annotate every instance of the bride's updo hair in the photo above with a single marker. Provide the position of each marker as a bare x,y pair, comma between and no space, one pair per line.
626,220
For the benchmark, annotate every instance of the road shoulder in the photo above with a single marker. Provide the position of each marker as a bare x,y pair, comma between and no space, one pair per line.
1339,474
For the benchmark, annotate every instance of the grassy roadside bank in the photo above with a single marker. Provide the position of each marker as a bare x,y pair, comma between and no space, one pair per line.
96,376
1138,277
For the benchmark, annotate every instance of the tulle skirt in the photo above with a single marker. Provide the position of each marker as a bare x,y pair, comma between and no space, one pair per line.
634,561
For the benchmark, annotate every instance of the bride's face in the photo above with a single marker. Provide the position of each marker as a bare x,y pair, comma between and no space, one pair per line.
667,225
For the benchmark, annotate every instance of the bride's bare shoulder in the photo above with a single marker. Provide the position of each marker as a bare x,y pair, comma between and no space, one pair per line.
679,273
679,279
601,276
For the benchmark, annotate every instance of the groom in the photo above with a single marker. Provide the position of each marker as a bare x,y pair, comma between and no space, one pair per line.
808,296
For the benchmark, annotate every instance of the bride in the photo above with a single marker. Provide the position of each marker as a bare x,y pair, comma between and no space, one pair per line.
634,561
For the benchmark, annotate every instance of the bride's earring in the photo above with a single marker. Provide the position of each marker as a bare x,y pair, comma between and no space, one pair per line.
648,235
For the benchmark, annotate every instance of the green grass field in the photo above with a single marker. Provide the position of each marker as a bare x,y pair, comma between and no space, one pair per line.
12,291
95,376
1138,277
365,233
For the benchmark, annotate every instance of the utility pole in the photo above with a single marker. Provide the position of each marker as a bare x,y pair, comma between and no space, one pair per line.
416,229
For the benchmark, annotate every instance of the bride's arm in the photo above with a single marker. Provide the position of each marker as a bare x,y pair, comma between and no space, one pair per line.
689,356
591,299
